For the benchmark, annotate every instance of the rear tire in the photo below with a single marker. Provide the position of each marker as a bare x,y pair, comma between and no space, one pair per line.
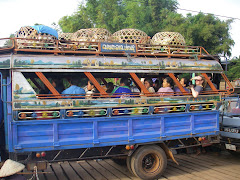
149,162
128,161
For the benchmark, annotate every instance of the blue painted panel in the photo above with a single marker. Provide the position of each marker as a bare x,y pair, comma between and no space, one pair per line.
47,135
75,128
32,135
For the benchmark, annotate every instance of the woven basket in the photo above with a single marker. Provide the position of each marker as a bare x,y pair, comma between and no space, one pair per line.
30,33
44,40
168,38
27,32
65,36
130,36
92,35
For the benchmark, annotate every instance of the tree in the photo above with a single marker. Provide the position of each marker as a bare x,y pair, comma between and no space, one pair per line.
201,30
9,43
114,15
233,69
79,20
152,16
211,33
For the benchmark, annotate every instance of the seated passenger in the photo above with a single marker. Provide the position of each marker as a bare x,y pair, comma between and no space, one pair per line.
166,87
110,87
57,84
123,88
148,83
184,82
208,88
199,86
90,90
74,89
156,85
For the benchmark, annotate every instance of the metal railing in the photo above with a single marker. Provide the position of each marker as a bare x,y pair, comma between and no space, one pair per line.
83,47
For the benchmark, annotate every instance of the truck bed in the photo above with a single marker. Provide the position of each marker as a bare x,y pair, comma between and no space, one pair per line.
45,135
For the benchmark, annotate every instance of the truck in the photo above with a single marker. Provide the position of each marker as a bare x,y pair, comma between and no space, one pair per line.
141,128
230,124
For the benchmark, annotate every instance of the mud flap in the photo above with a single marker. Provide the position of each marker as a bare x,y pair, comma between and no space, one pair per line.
168,153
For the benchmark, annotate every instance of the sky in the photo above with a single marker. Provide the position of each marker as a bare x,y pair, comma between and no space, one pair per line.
17,13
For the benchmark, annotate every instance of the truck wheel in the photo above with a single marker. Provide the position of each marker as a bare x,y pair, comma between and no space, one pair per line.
128,161
149,162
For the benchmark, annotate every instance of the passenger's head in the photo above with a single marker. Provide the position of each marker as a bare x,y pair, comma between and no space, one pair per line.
74,81
209,75
90,86
184,82
167,82
110,87
125,82
55,82
156,84
199,80
58,84
148,82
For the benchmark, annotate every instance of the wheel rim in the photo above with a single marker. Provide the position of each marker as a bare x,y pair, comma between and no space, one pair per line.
150,163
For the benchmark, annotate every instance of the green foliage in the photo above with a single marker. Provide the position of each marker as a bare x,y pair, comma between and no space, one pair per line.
9,43
152,16
79,20
233,69
201,30
118,14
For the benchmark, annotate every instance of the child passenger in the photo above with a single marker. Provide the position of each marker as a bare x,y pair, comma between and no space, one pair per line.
166,87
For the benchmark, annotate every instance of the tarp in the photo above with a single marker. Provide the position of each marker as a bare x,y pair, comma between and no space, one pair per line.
45,29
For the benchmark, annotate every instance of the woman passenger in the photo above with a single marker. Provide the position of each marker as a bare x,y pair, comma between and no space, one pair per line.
166,87
90,90
156,85
148,83
184,82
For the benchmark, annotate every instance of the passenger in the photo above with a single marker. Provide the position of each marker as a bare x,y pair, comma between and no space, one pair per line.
199,86
166,87
90,90
184,82
74,89
123,88
208,88
148,83
110,87
156,85
57,84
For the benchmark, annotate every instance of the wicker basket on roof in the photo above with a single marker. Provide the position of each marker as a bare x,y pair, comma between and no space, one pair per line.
27,32
65,37
168,38
92,35
130,36
43,40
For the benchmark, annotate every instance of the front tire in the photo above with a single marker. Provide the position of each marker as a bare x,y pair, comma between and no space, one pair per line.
149,162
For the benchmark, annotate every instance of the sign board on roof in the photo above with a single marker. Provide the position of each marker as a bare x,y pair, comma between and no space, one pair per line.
118,47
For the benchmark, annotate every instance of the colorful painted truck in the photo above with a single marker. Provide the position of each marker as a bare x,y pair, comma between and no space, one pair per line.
141,128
